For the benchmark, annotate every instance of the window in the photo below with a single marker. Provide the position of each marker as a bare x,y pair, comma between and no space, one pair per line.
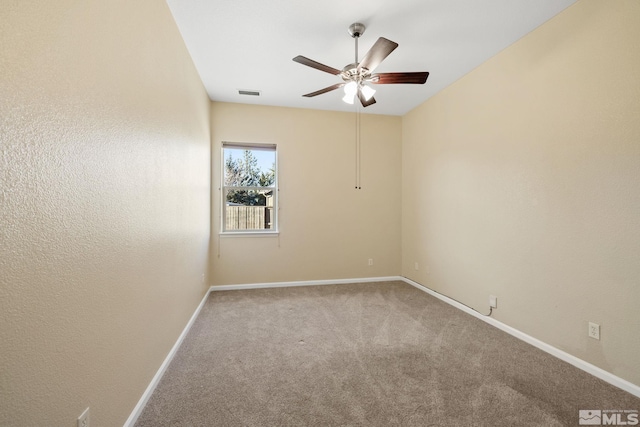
249,195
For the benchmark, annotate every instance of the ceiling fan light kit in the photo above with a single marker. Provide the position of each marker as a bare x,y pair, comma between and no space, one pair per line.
351,89
355,75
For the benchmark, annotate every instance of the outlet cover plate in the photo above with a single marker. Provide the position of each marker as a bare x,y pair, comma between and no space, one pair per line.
594,330
83,420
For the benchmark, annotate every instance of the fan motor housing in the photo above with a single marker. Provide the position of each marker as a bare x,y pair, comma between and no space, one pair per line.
351,73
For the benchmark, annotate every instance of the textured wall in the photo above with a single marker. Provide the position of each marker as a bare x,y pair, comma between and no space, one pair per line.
104,205
328,230
522,180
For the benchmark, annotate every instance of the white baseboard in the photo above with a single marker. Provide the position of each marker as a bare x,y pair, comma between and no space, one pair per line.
304,283
167,360
578,363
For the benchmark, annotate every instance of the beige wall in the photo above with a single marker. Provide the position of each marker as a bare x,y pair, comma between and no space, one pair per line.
522,180
328,229
104,205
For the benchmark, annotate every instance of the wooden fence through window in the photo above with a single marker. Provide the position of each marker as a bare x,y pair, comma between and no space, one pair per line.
248,218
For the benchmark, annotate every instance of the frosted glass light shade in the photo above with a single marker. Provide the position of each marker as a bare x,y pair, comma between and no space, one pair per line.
367,92
351,88
349,98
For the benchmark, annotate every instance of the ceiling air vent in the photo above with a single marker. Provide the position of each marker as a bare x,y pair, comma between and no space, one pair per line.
249,92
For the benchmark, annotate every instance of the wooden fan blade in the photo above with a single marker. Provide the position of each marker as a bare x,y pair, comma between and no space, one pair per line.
399,78
363,101
314,64
378,52
325,90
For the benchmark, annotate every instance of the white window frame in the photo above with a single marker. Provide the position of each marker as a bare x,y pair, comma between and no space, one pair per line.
223,189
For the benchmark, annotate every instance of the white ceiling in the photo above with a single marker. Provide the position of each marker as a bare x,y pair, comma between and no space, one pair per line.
249,44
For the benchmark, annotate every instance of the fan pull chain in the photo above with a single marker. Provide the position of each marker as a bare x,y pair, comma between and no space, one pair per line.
356,37
359,150
358,166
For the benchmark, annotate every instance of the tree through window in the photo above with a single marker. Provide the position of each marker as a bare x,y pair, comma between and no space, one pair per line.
249,188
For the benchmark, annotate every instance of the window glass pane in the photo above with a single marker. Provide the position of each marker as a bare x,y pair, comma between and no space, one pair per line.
248,210
249,187
246,167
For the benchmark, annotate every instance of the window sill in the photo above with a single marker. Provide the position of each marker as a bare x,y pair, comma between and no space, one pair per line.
249,233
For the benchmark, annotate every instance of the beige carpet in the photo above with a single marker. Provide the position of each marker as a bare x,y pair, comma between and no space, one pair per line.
371,354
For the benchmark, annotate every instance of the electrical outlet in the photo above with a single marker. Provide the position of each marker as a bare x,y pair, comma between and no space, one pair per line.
83,420
416,266
493,301
370,261
594,330
202,278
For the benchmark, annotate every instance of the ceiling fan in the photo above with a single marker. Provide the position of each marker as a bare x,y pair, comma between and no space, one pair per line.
355,75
